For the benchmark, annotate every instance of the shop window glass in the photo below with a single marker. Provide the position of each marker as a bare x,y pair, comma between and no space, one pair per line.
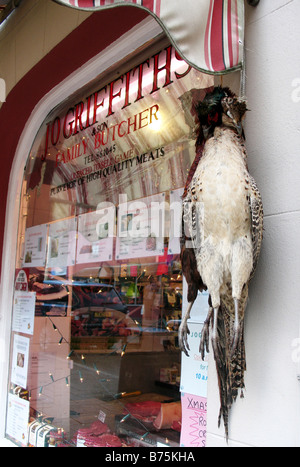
98,287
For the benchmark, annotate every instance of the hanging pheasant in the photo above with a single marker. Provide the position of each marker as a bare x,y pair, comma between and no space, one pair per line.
222,236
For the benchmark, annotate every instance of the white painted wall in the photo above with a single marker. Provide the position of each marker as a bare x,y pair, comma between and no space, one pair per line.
30,32
269,414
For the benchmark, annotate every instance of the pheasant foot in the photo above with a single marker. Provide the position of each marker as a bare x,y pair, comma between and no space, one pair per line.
204,342
184,331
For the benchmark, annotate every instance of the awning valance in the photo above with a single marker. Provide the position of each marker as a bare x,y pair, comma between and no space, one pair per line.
208,34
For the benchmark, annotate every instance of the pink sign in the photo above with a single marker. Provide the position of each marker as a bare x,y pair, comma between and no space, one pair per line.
194,410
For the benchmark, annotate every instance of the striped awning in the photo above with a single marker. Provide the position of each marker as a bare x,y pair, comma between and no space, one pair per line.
208,34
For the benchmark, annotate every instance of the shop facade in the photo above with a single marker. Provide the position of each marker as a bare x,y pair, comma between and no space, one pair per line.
92,287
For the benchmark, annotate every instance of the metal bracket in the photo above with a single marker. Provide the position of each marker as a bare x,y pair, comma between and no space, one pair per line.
253,2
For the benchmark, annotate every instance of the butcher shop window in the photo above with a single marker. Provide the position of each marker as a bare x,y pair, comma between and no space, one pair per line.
98,284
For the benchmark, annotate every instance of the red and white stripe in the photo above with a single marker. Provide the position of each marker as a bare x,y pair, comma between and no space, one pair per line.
152,5
223,38
222,46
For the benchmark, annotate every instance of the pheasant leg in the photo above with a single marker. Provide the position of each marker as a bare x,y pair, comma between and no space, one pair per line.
204,342
237,329
215,338
184,331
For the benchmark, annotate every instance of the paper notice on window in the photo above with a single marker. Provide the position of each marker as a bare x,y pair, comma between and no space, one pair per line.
193,369
17,419
95,236
141,228
19,369
62,243
35,246
194,416
200,307
23,313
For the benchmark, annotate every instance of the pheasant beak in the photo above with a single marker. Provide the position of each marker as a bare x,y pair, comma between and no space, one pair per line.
238,126
206,132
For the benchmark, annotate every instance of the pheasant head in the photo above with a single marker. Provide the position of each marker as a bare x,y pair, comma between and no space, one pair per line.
221,106
234,110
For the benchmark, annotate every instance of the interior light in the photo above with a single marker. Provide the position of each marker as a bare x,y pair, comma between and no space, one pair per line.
156,123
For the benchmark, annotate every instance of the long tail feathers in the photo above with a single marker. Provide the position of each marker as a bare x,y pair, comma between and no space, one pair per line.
230,369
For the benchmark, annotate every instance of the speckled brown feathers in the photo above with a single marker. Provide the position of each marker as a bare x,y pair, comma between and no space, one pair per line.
223,224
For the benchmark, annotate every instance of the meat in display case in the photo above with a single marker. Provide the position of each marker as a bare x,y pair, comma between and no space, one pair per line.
149,422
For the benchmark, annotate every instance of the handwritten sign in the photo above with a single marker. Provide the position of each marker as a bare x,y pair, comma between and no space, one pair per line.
194,421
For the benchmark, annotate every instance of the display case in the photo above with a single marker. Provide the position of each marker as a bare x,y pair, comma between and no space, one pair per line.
98,286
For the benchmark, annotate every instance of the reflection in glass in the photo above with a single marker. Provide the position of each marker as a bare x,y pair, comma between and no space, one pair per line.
98,246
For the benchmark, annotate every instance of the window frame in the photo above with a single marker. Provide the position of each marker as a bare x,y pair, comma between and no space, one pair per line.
144,33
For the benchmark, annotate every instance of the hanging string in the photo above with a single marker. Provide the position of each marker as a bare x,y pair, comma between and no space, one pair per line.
243,77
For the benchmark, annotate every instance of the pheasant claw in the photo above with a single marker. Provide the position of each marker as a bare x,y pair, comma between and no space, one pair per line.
204,342
184,331
182,338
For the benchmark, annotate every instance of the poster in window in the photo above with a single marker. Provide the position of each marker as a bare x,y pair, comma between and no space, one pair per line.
23,313
62,243
194,370
35,246
20,361
141,227
194,421
21,281
200,307
17,418
96,236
